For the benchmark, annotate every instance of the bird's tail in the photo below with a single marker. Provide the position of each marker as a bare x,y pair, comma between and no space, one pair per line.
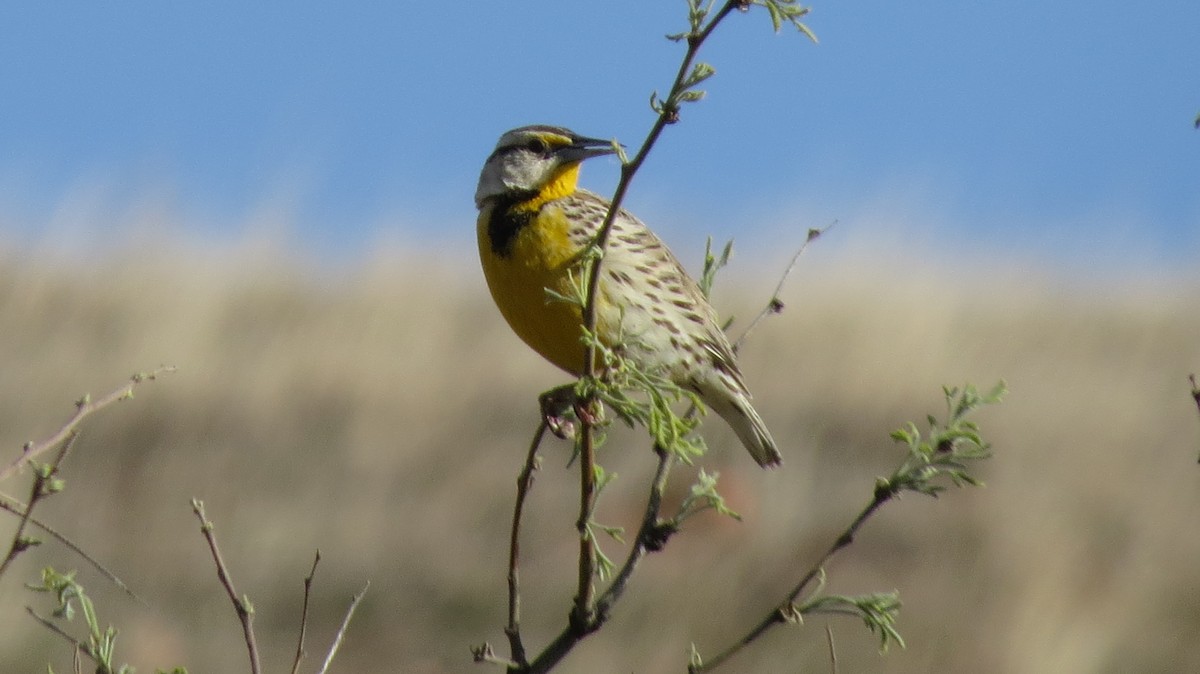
735,408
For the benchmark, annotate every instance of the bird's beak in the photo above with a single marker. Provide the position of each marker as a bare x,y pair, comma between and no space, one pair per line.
586,148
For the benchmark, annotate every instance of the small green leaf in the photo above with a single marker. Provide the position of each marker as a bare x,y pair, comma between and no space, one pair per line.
713,264
604,564
655,104
694,659
23,543
65,610
700,72
776,16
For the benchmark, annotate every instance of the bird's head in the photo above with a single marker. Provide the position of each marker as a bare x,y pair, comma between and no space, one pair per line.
530,159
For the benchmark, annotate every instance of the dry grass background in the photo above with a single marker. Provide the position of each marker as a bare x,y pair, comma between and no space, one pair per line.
381,413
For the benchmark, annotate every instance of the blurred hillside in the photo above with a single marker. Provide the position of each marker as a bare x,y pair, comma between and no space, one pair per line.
381,414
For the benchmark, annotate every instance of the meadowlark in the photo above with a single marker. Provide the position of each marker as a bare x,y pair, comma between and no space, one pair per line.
534,223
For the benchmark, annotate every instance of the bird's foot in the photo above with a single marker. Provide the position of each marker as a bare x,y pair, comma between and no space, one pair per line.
560,406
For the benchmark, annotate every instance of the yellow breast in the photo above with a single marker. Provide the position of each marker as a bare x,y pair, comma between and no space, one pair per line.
538,257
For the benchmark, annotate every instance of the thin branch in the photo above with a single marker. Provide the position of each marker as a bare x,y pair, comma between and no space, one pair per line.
1192,377
668,115
524,484
784,611
1195,391
652,535
245,611
308,581
943,454
38,491
587,613
582,612
341,633
650,538
53,627
84,407
775,305
15,507
63,439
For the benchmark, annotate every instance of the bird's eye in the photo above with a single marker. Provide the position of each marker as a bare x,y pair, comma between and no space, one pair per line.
538,146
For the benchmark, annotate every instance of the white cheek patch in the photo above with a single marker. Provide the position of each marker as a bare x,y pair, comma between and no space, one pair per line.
514,172
524,174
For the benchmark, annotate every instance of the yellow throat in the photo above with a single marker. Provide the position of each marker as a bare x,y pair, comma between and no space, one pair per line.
525,248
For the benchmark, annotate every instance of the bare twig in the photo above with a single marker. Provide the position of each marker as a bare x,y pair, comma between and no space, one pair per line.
17,508
243,607
1195,391
42,487
341,633
1192,377
650,538
84,407
308,581
79,650
63,440
53,627
775,305
524,484
582,612
785,610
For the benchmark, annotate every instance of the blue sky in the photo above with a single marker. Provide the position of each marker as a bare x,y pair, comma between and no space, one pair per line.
1048,128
